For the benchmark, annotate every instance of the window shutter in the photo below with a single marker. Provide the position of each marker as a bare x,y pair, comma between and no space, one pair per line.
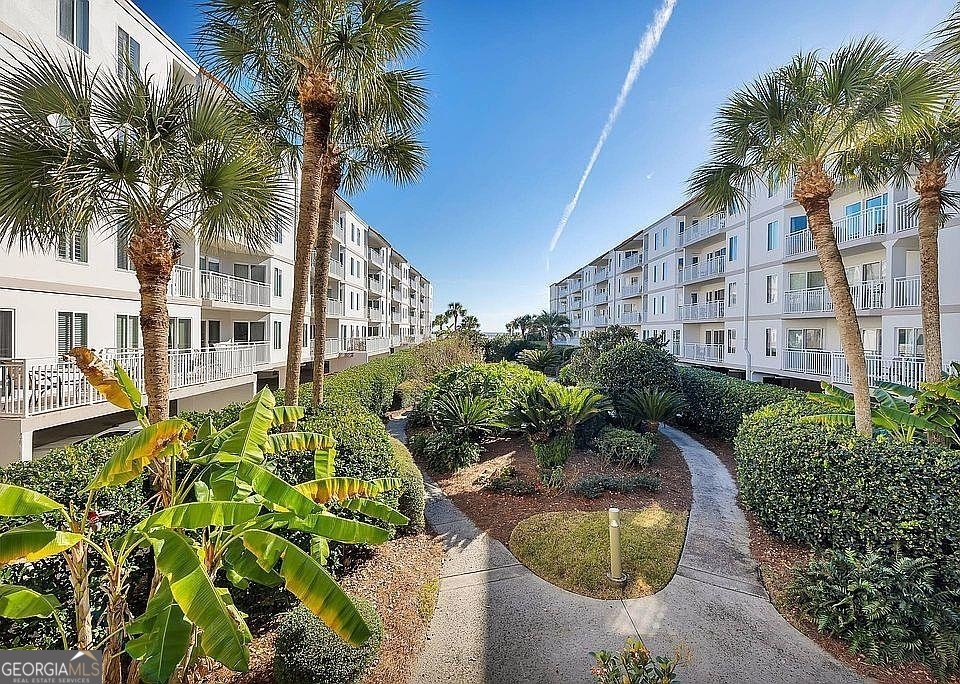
64,325
65,22
120,332
6,334
135,55
80,330
82,38
123,43
62,247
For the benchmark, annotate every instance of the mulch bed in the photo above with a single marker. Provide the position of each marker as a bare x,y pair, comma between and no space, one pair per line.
498,512
777,558
394,580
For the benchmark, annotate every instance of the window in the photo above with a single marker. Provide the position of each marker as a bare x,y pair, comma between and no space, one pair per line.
209,333
277,282
798,224
731,341
123,254
128,332
807,338
306,335
277,334
772,288
278,231
734,248
656,241
73,247
71,331
73,23
209,264
910,342
179,333
128,54
254,272
771,342
254,331
732,294
6,333
773,235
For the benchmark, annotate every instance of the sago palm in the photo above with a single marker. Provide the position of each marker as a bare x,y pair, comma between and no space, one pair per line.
296,60
553,326
151,160
802,121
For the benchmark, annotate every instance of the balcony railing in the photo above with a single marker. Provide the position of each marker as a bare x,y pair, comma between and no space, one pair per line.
219,287
181,282
705,311
630,261
710,268
378,345
376,286
630,290
703,352
336,269
576,286
906,292
375,315
340,233
864,224
396,272
601,320
334,308
867,296
675,348
397,317
331,348
630,318
376,257
576,304
34,386
907,219
905,370
602,274
703,228
600,297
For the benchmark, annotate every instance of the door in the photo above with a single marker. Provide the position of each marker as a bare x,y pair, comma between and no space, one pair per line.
875,215
851,223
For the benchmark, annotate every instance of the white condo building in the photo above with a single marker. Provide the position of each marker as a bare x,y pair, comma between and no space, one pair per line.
743,293
229,306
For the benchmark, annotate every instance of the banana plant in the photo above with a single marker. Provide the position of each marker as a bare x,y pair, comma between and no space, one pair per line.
225,513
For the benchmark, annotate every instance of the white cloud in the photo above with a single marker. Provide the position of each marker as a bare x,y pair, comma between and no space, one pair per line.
643,53
650,175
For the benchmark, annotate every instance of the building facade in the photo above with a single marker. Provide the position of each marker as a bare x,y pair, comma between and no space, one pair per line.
229,306
743,292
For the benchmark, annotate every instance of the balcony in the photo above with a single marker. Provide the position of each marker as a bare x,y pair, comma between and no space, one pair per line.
396,317
630,290
219,287
340,232
396,272
181,282
907,219
334,308
377,345
630,261
600,297
336,269
396,293
375,256
576,286
906,292
602,274
601,320
375,285
576,304
702,228
867,296
862,225
832,365
375,315
707,311
30,387
631,318
703,352
711,268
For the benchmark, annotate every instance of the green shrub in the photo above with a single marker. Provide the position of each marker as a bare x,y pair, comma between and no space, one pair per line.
567,376
554,452
508,480
443,452
508,347
829,488
892,610
634,366
221,417
592,345
648,407
586,433
63,474
594,486
634,664
716,403
413,496
464,417
409,392
308,652
553,410
626,447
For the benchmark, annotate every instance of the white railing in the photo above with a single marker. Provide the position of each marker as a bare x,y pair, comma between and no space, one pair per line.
703,352
630,318
378,345
808,300
906,219
334,308
375,315
705,269
602,274
376,257
576,286
33,386
340,233
868,294
331,348
704,227
396,293
863,224
630,290
675,348
376,285
630,261
562,291
396,272
704,311
395,340
600,320
810,361
181,282
336,269
219,287
576,304
396,317
600,297
906,291
905,370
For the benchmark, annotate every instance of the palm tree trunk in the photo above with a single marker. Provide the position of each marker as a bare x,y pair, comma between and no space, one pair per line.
817,208
929,185
332,174
316,132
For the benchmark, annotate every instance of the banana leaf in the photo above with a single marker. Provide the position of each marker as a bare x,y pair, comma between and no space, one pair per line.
154,442
18,501
34,541
18,603
161,637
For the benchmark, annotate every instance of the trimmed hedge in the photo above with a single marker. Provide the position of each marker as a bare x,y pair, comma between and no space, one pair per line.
413,498
592,345
626,447
309,652
716,403
634,366
830,488
63,474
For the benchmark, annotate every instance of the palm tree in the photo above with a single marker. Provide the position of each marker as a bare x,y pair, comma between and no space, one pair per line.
152,161
511,327
455,311
438,322
298,60
802,121
553,326
469,324
525,325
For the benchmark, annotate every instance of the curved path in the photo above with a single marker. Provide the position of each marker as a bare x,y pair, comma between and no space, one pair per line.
498,622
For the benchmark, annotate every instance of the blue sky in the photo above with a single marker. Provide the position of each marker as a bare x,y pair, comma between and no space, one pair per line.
520,92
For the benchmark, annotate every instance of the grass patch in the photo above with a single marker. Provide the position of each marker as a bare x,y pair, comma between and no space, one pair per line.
429,593
571,550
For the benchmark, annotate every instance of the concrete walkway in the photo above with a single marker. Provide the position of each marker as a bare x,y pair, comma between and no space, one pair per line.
498,622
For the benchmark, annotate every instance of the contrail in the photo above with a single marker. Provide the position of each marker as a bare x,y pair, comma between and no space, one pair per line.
642,55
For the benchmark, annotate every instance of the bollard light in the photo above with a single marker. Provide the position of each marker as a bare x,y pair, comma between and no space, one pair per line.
616,565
